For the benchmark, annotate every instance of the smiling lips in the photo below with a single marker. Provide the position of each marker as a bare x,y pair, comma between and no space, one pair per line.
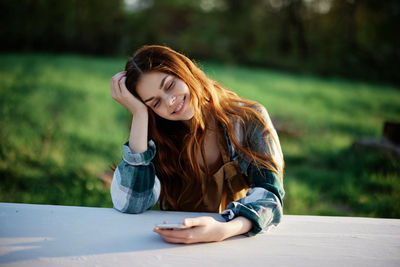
180,106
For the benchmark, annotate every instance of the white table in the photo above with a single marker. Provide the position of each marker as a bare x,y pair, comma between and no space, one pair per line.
44,235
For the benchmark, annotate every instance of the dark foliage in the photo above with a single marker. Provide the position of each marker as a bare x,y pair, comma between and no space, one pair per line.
353,38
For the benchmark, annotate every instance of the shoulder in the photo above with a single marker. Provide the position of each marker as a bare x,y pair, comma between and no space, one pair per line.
251,118
262,111
250,125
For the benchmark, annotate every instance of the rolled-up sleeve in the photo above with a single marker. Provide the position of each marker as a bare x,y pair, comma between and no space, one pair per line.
135,187
262,204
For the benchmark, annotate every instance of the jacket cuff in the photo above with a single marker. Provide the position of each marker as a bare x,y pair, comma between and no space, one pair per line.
236,209
139,159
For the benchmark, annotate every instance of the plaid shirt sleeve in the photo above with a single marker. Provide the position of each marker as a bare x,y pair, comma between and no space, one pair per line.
135,187
263,203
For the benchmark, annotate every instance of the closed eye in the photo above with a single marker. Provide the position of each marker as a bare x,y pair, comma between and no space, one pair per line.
171,84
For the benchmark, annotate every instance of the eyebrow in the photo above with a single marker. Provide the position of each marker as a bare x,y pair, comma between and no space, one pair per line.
161,86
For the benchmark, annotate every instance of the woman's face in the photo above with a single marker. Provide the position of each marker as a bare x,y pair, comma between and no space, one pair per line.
166,95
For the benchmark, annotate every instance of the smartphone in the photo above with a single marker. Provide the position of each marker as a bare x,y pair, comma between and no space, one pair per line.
171,226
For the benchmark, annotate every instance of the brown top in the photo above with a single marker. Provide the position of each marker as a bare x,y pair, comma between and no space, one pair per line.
227,184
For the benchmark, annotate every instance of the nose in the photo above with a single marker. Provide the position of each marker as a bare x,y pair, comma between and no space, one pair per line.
171,100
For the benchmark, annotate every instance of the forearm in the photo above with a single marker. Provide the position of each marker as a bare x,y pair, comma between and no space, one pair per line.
138,133
239,225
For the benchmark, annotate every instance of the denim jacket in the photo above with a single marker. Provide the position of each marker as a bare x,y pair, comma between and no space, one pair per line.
136,188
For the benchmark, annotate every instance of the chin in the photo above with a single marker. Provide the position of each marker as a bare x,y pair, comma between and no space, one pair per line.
187,117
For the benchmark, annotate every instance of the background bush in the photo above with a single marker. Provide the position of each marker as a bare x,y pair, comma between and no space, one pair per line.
352,38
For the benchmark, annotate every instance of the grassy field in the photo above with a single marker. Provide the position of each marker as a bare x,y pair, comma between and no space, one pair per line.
60,131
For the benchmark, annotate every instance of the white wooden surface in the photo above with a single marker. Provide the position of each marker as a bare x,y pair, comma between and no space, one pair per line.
43,235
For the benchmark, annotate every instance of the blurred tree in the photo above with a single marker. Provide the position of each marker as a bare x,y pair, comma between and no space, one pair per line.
92,26
293,24
356,38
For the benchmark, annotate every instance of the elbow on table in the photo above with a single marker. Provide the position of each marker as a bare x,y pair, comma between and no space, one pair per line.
131,210
123,204
127,200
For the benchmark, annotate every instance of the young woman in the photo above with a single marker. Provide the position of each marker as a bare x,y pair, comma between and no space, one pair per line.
195,146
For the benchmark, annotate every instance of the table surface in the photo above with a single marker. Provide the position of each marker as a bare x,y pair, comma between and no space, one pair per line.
45,235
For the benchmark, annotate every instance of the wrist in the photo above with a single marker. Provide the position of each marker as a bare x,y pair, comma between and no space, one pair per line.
237,226
139,112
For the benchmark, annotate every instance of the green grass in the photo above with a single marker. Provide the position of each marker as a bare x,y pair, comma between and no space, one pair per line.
60,130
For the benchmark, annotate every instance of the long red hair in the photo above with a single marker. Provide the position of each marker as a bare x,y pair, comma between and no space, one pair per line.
178,145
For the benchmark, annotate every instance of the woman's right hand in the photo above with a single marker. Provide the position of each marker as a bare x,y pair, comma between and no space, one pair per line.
121,94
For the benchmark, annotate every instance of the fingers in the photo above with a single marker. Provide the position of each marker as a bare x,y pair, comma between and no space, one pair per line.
118,84
122,73
195,221
121,84
191,222
179,240
117,77
176,236
175,240
203,229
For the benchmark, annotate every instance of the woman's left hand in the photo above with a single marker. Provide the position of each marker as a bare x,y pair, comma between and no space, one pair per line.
203,229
